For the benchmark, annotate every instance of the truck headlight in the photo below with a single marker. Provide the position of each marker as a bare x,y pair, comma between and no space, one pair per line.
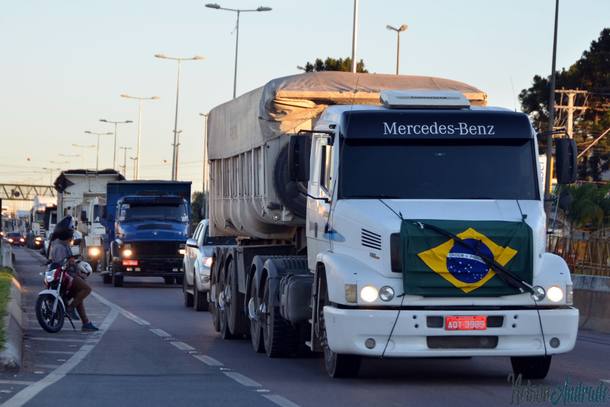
38,239
182,251
351,293
539,293
554,293
369,293
127,252
386,293
207,262
94,251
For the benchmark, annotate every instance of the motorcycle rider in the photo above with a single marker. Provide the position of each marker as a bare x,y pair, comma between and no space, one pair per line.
78,289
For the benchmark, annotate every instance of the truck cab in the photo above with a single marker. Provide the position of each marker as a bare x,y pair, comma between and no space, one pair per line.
427,235
150,233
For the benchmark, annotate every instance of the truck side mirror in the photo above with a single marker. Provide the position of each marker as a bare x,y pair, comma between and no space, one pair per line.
565,160
299,150
83,216
104,212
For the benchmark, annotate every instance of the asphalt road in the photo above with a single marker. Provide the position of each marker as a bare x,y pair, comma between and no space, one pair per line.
154,352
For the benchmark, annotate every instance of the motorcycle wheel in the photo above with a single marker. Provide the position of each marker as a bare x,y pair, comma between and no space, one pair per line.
50,321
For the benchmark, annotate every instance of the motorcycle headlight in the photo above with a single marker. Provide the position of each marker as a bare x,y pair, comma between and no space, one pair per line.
182,251
127,252
94,251
369,293
555,293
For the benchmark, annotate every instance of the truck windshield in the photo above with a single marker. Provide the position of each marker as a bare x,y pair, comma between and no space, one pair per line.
173,213
415,169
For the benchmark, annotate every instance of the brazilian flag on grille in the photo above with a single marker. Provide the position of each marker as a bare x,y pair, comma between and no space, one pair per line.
435,265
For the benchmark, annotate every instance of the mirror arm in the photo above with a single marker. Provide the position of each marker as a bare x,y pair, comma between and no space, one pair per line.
318,198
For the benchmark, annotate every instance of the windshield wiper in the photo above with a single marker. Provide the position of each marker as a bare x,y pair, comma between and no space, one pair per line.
506,275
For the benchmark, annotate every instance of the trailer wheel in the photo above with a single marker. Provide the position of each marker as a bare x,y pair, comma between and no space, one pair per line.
531,367
223,324
279,337
256,332
234,302
337,365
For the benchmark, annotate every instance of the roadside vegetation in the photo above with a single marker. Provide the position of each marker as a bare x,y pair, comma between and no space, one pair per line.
6,276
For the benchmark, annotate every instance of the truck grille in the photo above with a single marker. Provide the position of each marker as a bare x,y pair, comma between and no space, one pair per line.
371,239
155,249
462,342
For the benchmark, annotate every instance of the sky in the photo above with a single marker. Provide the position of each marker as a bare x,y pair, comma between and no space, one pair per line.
65,63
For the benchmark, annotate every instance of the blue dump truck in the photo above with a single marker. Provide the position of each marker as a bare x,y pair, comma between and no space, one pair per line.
147,224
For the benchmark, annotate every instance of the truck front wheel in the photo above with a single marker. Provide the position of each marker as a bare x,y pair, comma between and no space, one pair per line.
531,367
337,365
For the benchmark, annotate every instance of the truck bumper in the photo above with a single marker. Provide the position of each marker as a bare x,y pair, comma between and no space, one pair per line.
147,267
418,333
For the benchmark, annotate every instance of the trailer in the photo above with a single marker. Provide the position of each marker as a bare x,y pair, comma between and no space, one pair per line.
384,216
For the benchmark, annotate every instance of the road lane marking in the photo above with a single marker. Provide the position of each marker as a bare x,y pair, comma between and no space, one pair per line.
243,380
55,352
31,391
280,401
208,360
182,345
44,366
17,382
44,338
122,310
160,332
606,380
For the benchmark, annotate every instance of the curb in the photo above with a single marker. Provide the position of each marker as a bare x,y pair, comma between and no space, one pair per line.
14,321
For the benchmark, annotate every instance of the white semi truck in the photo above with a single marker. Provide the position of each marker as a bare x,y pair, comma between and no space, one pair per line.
384,216
82,194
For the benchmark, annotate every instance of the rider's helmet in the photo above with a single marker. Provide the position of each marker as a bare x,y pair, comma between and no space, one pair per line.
83,269
64,230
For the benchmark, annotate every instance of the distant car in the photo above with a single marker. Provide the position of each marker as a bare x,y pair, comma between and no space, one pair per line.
197,262
15,239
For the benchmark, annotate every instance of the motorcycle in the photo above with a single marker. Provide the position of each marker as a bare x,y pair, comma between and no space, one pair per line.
51,302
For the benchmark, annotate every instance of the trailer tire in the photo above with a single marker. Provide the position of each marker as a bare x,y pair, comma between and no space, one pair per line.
223,323
279,337
234,302
256,331
337,365
531,367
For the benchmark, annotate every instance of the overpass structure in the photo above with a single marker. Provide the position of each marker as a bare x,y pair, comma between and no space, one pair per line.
25,192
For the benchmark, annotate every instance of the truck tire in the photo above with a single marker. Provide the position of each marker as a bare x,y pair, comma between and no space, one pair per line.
337,365
188,297
169,280
279,337
256,332
234,302
117,280
531,367
223,324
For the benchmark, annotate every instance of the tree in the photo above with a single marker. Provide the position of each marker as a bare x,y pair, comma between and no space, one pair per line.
197,204
589,207
592,73
332,64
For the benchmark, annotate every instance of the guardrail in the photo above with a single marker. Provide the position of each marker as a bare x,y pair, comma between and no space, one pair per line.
590,257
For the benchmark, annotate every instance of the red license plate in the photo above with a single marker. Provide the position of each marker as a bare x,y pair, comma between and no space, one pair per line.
466,323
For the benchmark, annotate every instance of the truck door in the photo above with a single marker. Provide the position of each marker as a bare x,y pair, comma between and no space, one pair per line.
321,186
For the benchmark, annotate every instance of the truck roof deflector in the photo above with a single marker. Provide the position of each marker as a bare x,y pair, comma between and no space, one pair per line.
429,99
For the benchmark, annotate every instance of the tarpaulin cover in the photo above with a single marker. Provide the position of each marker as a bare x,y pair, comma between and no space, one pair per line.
435,265
289,104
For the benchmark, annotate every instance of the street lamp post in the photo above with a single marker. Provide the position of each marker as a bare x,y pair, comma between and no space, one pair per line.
97,154
398,31
238,12
124,148
355,37
136,166
175,145
115,137
205,163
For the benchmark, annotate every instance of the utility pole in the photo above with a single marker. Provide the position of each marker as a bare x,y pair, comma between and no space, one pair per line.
570,108
355,37
549,135
205,163
124,166
136,164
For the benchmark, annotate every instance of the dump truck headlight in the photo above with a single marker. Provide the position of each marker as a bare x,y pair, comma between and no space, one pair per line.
386,293
369,293
555,293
